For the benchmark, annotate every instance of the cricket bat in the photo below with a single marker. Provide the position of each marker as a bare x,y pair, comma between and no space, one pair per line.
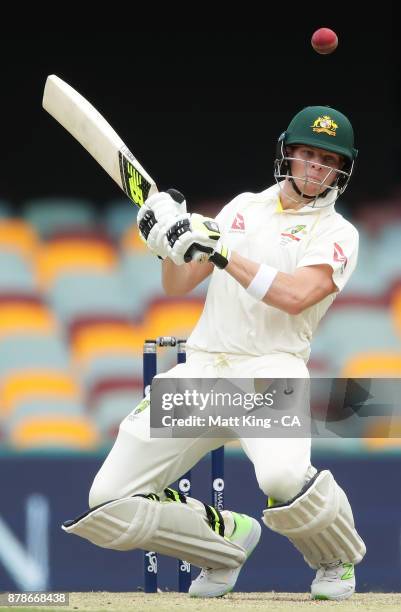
96,135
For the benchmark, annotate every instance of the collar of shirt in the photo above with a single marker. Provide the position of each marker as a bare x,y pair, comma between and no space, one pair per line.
326,204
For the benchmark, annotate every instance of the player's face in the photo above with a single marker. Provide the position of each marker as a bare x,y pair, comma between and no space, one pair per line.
313,169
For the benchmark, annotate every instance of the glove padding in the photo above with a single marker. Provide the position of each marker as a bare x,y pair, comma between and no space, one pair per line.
220,256
157,240
155,217
190,237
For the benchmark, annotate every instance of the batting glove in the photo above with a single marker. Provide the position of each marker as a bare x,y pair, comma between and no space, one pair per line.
220,256
192,237
155,217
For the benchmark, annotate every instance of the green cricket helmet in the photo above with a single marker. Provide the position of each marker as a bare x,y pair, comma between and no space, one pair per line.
322,127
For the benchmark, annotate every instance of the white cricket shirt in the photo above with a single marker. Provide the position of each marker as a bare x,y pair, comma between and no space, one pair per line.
256,226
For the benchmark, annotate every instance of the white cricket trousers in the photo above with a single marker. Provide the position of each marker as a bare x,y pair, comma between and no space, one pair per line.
138,463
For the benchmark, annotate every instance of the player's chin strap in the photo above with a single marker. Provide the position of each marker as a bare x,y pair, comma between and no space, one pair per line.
299,192
319,522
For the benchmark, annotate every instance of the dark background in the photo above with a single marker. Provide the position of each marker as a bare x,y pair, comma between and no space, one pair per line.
202,110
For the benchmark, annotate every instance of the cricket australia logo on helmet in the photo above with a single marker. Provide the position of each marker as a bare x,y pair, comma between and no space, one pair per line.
325,124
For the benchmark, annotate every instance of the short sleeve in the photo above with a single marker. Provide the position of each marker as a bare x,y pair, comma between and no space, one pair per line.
337,247
224,217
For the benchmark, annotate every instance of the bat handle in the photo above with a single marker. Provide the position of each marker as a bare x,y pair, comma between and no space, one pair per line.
200,257
197,252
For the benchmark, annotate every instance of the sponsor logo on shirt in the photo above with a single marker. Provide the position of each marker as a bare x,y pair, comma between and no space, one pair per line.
340,256
238,223
292,235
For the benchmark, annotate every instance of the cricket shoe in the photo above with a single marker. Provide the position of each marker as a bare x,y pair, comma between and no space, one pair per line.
335,581
218,582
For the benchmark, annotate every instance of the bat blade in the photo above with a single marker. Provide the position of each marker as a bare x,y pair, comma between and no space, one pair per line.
96,135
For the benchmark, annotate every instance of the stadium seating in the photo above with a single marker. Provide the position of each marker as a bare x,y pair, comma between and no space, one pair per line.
23,351
16,274
79,293
111,400
54,431
48,215
69,253
347,331
18,236
119,216
20,316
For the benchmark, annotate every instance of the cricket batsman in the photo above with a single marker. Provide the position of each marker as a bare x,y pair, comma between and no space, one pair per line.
277,260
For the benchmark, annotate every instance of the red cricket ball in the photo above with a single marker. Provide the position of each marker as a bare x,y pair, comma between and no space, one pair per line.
324,41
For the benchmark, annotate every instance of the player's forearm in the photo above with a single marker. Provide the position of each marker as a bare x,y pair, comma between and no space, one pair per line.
286,292
179,280
175,279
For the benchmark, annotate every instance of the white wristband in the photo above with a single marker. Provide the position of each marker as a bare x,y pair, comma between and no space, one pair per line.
261,282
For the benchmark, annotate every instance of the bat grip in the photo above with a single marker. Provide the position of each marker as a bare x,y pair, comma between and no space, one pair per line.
197,252
199,257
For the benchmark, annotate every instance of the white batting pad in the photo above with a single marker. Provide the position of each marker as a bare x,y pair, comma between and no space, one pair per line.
319,522
168,528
